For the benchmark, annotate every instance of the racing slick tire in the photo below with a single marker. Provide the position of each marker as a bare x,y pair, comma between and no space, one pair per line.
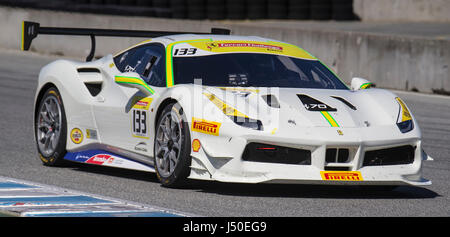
172,149
320,9
51,128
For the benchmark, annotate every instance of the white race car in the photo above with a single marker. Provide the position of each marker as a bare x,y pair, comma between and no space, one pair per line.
225,108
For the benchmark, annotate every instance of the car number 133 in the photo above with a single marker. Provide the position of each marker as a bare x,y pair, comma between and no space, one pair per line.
140,123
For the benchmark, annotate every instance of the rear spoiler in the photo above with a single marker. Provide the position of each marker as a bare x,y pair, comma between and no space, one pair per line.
31,30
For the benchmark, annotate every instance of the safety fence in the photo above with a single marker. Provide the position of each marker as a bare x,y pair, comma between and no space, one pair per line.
340,10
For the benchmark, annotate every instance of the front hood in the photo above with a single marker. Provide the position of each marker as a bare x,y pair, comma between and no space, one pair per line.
276,107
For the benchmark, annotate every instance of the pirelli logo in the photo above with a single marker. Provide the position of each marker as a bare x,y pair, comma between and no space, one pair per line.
205,126
341,175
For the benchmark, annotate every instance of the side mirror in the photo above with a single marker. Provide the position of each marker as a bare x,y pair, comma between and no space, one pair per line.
133,80
360,84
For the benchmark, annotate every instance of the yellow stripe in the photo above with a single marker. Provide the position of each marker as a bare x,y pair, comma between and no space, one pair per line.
406,115
133,80
366,85
22,45
329,118
226,109
169,61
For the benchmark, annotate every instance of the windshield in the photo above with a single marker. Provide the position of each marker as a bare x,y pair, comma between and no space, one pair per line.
255,70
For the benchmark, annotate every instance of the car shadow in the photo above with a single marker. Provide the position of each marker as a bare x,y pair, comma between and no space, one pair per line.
315,191
272,190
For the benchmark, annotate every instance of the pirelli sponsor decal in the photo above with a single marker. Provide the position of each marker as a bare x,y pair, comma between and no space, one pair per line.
341,175
205,126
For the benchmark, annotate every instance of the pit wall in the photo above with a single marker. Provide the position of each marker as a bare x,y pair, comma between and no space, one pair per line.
395,62
403,10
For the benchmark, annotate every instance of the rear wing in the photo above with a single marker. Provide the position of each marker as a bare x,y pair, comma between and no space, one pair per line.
31,30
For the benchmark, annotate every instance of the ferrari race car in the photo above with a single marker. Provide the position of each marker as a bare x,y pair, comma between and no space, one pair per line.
220,107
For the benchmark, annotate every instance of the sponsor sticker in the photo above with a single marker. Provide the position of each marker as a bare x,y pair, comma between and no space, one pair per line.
205,126
210,46
196,145
100,159
76,135
341,175
91,134
141,102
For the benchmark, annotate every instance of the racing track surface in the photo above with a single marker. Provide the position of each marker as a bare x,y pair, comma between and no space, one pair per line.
18,159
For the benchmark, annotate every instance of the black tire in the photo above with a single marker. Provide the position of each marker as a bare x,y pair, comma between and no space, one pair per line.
256,9
177,141
320,9
96,2
127,2
236,9
178,9
277,9
112,2
298,9
196,9
55,156
215,9
160,3
342,10
143,3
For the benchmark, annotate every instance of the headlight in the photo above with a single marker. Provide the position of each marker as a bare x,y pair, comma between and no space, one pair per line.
406,126
404,119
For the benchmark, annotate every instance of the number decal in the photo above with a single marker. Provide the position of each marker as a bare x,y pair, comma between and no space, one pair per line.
139,123
139,115
185,51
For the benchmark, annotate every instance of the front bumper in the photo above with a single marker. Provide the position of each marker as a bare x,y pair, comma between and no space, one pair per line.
220,158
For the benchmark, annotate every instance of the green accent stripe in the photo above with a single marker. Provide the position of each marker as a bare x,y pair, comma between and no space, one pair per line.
135,81
329,119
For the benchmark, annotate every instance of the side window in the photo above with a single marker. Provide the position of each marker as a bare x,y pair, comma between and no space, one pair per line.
147,60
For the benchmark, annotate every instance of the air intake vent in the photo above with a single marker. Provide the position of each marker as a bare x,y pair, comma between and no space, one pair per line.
258,152
345,102
88,69
391,156
92,79
271,100
334,155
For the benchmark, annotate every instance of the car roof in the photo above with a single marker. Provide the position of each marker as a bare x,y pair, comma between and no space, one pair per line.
169,39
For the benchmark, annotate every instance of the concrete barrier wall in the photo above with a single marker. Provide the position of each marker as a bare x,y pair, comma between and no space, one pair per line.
396,62
403,10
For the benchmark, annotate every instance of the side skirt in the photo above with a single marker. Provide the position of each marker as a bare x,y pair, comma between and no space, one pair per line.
106,158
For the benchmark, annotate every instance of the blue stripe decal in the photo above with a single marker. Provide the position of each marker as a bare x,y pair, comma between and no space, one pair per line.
84,156
8,185
16,201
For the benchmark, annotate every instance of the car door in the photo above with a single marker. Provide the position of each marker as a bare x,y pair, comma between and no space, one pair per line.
123,118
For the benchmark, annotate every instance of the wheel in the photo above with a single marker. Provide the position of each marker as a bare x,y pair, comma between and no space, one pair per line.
277,9
51,128
298,9
215,9
256,9
235,9
342,10
320,9
196,9
172,147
